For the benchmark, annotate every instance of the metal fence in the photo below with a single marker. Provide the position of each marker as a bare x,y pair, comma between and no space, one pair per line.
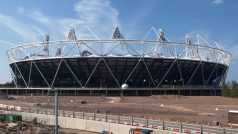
140,122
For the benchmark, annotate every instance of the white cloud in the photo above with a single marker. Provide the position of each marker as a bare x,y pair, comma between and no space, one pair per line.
15,25
36,15
20,9
24,30
217,2
96,11
7,43
45,24
99,15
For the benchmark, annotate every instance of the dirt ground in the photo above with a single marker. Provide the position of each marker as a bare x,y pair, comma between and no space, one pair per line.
193,109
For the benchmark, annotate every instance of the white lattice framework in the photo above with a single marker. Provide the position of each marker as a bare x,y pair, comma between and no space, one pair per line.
117,47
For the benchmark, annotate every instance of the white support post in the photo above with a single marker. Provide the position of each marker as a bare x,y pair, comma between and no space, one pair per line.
92,72
111,72
56,73
132,71
73,73
41,74
29,78
166,73
211,74
193,73
149,72
20,74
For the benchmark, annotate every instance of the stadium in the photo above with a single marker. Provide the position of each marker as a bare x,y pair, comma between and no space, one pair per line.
119,66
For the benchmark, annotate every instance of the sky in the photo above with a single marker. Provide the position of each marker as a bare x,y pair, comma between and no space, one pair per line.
25,21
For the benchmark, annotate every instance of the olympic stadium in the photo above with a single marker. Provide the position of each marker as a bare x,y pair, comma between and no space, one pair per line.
119,65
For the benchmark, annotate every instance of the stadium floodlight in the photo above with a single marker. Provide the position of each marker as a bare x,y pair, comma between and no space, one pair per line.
161,36
72,35
188,40
117,34
58,53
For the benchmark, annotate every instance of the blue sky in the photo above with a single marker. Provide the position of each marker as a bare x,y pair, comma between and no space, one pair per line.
215,20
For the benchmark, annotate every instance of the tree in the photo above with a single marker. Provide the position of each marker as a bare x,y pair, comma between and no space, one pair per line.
8,84
234,89
230,89
225,90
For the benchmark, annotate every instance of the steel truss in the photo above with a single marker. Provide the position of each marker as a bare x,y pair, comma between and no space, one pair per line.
205,62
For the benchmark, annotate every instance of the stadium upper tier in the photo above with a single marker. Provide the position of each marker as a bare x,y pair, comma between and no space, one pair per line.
117,48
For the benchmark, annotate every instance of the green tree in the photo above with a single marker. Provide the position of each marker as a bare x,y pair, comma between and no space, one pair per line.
230,89
225,90
8,84
234,89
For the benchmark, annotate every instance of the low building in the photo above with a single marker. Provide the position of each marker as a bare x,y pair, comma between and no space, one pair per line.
233,117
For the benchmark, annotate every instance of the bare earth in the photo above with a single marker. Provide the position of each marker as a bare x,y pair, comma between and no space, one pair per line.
194,109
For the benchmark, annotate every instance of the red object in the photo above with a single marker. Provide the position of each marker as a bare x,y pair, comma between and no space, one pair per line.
137,132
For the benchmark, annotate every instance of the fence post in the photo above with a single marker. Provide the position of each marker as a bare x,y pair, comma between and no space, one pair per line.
132,121
37,110
118,119
162,125
46,111
63,114
106,117
83,115
181,127
94,116
147,123
73,113
201,130
224,131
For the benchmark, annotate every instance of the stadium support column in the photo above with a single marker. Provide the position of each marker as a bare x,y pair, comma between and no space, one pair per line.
121,94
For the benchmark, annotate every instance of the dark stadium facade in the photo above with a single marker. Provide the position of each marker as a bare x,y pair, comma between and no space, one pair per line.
118,65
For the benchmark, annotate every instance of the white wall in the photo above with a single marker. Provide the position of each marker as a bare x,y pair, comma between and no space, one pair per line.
82,124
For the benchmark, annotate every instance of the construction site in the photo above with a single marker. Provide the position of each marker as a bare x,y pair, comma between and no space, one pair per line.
199,110
196,109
